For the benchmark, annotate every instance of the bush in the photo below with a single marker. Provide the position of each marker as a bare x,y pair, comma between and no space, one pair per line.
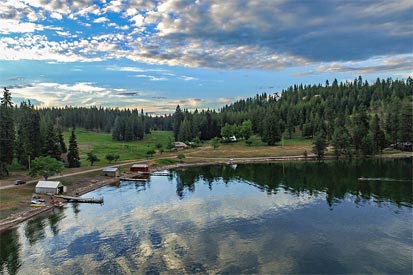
150,153
181,157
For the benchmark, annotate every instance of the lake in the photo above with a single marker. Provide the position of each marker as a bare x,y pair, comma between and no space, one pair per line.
286,217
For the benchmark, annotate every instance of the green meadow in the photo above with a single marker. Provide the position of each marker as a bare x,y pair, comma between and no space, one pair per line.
102,144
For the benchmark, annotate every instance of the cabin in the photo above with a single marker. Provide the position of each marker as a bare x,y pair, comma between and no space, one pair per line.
52,187
180,145
111,171
140,168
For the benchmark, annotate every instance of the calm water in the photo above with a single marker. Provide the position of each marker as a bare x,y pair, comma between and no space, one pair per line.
261,218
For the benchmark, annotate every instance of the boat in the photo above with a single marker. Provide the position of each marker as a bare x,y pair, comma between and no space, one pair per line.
36,204
57,203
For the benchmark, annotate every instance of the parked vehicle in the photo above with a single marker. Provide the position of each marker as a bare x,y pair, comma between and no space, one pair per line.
18,182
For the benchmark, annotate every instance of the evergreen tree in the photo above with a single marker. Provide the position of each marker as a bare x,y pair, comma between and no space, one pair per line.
378,136
406,122
185,130
51,145
7,132
392,119
271,129
178,117
28,140
73,153
62,143
319,146
118,132
360,128
129,129
341,141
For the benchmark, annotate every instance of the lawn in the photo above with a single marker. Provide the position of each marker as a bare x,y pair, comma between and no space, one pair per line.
257,148
102,144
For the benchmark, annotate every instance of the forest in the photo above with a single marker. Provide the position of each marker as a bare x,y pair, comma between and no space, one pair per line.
356,118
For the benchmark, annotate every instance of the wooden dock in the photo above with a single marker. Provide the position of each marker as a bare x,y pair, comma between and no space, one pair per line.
155,173
78,199
133,179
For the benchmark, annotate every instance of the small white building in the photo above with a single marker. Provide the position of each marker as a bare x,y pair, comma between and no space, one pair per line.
52,187
111,171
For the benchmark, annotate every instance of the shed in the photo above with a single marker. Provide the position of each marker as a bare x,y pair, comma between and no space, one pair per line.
52,187
111,171
140,168
180,145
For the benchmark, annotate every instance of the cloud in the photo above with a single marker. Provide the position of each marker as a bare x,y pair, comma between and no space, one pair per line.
188,78
399,63
188,102
151,77
101,20
12,26
47,94
225,100
233,34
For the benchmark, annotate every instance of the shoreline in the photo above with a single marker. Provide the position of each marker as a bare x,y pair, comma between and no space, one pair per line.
19,217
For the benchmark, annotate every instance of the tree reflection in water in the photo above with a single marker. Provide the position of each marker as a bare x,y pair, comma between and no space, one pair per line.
335,179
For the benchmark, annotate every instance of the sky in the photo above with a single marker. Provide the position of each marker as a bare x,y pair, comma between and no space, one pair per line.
156,54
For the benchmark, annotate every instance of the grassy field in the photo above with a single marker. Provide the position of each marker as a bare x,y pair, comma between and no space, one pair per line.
102,144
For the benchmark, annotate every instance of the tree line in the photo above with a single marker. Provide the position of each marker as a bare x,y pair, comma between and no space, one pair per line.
355,117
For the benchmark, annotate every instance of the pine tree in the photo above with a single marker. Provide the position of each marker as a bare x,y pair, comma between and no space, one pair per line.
117,133
7,132
178,117
319,147
73,152
406,122
378,136
271,128
51,145
28,140
341,141
185,130
62,143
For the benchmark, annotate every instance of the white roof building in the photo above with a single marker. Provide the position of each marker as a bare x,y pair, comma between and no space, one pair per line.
111,171
52,187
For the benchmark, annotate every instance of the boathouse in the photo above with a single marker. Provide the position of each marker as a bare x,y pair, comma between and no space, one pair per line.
140,168
52,187
111,171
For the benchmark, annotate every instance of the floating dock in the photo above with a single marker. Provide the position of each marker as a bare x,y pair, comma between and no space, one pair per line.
78,199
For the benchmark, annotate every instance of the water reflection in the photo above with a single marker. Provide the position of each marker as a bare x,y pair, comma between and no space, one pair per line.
9,252
265,218
336,179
